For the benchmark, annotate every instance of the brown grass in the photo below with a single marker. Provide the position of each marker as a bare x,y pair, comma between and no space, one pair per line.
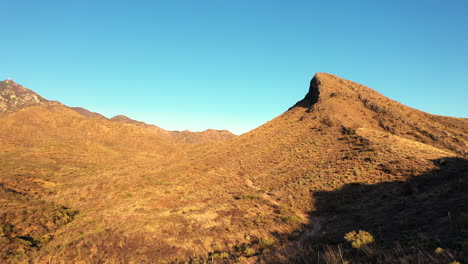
143,196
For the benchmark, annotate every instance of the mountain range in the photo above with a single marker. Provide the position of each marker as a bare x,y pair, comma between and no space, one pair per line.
77,187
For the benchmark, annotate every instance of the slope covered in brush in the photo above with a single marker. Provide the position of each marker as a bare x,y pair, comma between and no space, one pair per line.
145,195
207,136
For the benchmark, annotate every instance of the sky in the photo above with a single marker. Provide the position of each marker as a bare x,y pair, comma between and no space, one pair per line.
232,64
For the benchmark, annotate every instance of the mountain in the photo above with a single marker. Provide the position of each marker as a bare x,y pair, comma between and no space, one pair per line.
91,189
209,135
14,96
87,113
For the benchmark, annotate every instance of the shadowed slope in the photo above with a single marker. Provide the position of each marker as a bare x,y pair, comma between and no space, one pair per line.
407,219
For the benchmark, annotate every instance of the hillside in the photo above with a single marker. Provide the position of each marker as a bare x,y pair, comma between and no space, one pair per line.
207,136
342,159
14,96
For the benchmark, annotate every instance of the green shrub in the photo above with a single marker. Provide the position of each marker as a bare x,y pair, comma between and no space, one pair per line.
359,238
221,255
266,242
439,251
249,251
45,239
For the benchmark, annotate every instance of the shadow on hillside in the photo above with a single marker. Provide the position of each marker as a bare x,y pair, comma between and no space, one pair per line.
408,220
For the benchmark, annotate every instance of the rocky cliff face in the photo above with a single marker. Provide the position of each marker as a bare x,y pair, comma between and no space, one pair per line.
14,96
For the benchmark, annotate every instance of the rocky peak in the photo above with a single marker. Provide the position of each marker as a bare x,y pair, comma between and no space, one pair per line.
14,96
325,86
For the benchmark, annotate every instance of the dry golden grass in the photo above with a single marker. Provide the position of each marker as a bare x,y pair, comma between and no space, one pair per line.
144,196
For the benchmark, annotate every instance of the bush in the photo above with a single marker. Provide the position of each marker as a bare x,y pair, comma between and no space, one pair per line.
438,251
249,251
359,238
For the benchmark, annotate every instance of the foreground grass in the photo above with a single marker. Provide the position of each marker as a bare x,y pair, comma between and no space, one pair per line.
80,189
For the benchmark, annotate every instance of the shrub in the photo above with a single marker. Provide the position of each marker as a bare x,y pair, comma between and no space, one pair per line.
439,251
327,121
348,131
359,238
249,251
267,242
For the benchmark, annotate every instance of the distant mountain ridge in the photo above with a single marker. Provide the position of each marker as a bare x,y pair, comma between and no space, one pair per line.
87,113
14,97
209,135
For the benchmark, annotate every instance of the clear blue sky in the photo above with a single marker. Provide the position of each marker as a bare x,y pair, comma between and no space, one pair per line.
232,64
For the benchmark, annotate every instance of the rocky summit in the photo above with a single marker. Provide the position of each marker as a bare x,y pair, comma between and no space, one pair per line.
15,96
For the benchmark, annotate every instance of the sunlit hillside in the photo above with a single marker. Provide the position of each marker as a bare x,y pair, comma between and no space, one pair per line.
77,187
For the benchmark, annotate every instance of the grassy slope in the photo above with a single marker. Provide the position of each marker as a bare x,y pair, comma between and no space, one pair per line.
144,197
